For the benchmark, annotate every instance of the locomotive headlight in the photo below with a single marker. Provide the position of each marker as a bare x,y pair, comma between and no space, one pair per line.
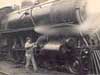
86,52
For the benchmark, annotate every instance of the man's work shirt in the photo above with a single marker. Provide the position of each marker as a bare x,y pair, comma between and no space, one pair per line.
29,48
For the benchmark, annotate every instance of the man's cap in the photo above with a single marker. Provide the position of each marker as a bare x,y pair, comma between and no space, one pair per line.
28,38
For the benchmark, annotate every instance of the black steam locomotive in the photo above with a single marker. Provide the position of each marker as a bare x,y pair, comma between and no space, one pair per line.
53,26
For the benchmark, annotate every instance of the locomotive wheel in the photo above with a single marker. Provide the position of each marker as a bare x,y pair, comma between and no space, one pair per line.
73,68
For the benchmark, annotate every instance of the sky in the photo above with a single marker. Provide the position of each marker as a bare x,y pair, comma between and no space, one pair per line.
93,6
92,23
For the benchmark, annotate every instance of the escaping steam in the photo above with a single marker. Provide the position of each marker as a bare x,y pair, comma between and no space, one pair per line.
92,23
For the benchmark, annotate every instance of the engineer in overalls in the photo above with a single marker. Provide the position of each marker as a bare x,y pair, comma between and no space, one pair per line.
29,46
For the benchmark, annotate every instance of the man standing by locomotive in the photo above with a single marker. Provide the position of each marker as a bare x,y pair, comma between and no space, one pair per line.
29,46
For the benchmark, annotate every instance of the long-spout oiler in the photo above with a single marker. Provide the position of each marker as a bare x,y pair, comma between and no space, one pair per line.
48,15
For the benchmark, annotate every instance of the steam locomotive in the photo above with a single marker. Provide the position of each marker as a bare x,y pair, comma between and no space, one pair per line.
52,25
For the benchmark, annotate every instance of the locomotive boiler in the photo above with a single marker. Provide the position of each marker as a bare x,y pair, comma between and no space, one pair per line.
49,14
55,24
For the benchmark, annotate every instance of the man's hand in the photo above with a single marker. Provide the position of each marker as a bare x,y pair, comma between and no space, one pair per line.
34,45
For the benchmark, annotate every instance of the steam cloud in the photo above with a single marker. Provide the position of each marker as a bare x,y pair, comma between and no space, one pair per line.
92,23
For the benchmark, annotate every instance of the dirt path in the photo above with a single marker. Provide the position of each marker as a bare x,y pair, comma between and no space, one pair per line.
8,68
